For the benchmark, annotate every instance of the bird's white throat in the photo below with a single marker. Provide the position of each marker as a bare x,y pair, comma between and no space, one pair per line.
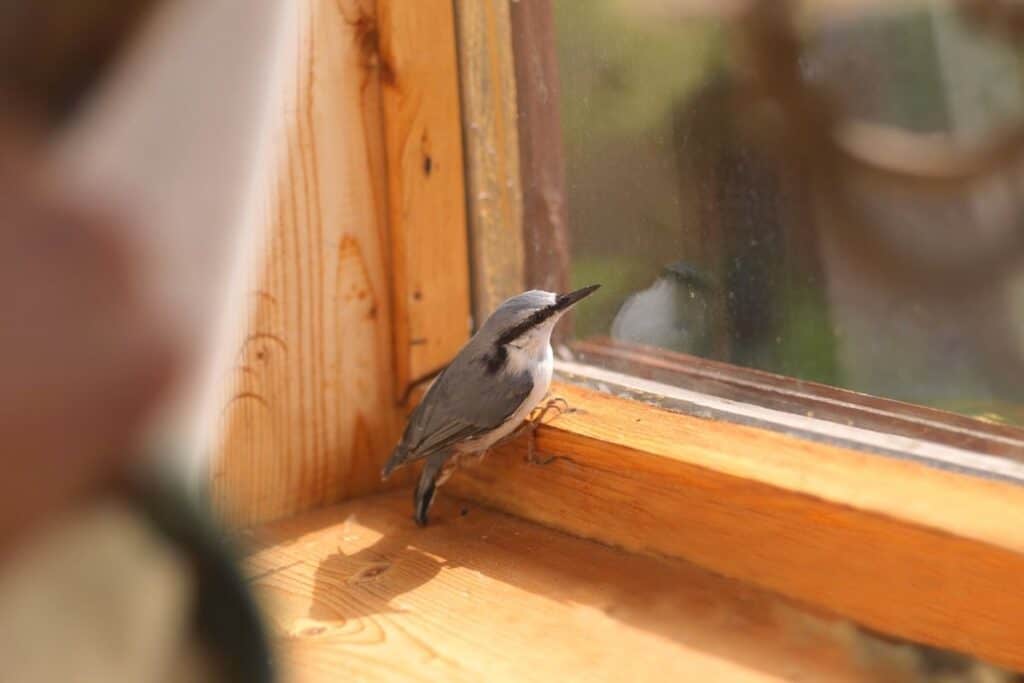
531,350
532,353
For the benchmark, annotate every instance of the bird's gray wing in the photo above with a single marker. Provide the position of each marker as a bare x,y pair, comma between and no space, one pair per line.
464,403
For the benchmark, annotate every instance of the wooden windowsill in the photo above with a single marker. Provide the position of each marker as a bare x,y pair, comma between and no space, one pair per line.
358,592
802,397
914,551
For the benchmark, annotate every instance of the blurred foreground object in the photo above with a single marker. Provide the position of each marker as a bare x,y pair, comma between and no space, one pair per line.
131,162
84,354
103,574
52,53
181,134
100,598
114,595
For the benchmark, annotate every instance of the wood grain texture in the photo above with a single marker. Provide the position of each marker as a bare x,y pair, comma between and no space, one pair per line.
425,184
491,138
912,551
312,415
357,592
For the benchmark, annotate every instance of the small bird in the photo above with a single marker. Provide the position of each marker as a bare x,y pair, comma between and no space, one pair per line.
486,392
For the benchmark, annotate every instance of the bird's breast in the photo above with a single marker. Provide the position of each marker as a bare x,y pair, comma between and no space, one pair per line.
540,370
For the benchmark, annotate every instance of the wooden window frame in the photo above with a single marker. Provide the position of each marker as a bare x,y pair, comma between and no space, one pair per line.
387,234
895,543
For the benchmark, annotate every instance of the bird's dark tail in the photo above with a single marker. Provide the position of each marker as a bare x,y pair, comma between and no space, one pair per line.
397,459
425,489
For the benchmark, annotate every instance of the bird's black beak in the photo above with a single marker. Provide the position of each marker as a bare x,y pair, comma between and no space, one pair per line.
564,301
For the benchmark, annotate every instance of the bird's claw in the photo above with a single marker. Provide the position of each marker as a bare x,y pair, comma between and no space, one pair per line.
558,404
534,460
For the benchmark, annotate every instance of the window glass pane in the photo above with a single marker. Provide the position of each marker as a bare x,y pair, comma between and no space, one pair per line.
713,237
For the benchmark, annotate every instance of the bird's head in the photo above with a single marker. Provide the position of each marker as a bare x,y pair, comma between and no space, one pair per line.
527,319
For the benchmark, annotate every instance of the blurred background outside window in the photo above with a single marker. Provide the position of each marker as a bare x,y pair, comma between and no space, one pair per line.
694,215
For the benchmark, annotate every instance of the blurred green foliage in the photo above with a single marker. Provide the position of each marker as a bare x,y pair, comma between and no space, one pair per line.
626,77
623,71
807,344
622,76
619,277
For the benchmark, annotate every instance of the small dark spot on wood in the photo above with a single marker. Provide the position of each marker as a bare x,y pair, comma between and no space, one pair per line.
418,341
463,512
370,572
266,295
417,295
367,39
387,74
260,355
376,570
372,313
428,164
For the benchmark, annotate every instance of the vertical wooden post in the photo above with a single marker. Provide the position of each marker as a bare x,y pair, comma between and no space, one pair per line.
365,287
541,152
425,186
312,415
489,127
542,158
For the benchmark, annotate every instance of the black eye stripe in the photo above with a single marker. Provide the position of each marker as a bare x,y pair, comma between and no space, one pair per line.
534,319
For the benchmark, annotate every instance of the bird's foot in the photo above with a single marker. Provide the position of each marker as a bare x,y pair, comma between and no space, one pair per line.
531,456
557,404
447,471
531,452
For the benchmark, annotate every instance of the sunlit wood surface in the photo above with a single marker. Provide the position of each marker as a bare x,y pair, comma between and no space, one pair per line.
913,551
358,592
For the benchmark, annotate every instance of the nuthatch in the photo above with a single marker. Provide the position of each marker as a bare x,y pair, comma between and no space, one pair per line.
671,314
486,392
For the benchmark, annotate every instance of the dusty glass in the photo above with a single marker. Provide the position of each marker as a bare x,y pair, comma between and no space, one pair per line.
707,245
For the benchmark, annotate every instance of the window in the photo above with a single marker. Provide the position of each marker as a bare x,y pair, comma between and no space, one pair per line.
723,228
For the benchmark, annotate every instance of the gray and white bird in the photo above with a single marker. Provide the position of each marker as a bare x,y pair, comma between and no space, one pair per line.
486,392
